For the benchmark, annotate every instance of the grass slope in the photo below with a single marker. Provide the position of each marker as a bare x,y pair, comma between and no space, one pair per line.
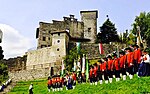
136,86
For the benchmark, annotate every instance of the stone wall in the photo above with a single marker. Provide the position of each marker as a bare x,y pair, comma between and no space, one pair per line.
25,75
92,50
16,64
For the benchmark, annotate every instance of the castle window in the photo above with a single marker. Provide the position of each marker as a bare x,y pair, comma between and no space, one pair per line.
58,41
44,38
49,31
42,46
57,49
49,38
89,29
58,34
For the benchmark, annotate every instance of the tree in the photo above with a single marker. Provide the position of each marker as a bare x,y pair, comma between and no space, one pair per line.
3,71
108,33
1,53
143,21
72,55
128,38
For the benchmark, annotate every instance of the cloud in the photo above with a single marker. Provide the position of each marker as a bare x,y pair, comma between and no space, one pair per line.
13,43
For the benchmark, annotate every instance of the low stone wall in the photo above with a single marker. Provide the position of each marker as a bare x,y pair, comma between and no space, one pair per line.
25,75
93,49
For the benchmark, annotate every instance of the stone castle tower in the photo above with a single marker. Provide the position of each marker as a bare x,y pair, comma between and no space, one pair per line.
84,29
89,18
49,56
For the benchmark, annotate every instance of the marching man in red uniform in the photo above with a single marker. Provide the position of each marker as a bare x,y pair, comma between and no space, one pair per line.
116,67
104,70
99,72
49,83
122,62
58,83
74,77
129,58
110,69
136,57
53,84
95,73
91,75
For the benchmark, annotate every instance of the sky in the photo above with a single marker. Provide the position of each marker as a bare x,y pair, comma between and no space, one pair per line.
20,18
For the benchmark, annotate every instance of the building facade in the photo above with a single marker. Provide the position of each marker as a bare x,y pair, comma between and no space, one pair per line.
86,28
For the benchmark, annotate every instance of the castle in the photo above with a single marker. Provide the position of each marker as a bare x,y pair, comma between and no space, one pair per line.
54,39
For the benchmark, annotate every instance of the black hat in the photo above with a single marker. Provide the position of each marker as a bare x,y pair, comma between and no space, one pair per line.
105,58
146,50
109,56
128,49
135,46
122,52
114,54
100,61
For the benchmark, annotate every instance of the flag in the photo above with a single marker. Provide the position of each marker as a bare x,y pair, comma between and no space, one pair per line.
78,47
87,70
62,68
79,65
101,51
75,65
83,64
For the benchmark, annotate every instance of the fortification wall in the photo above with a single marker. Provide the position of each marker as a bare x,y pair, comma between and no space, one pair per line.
16,64
93,49
25,75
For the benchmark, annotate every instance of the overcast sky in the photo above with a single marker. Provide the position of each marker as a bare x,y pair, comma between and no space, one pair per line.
20,18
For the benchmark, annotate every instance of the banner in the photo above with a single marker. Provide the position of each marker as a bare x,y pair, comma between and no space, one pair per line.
83,64
78,47
101,51
62,68
87,70
74,65
78,65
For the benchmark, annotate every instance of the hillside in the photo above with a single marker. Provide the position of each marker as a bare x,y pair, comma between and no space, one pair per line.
136,85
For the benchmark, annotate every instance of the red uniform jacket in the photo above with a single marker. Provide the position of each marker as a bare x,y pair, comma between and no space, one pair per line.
100,67
137,55
49,82
122,61
53,80
62,80
130,59
95,70
58,79
110,64
116,64
104,68
74,76
91,72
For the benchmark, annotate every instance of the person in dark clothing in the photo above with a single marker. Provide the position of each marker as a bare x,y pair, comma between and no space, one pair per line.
31,89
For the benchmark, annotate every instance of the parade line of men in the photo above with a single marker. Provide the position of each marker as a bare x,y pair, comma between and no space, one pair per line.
112,66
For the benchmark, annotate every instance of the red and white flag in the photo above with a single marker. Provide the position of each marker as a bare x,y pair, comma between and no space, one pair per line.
101,51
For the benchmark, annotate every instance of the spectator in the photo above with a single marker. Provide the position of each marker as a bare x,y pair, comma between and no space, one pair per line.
31,88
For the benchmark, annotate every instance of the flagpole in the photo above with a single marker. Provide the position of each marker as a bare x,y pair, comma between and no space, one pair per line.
87,69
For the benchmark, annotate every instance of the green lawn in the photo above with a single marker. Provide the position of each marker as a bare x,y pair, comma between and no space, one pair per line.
134,86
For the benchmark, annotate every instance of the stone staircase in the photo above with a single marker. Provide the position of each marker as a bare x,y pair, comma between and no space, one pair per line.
8,88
